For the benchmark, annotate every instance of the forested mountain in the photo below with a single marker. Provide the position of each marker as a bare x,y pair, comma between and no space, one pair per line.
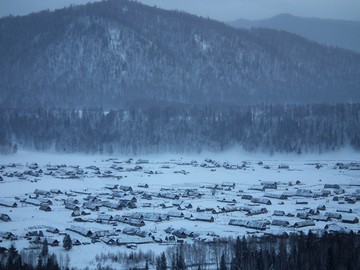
273,128
339,33
122,54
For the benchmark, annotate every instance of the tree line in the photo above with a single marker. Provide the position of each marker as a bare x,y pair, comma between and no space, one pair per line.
263,128
324,251
298,251
36,257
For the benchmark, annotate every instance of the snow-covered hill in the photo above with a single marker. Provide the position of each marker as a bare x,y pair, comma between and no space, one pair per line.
121,54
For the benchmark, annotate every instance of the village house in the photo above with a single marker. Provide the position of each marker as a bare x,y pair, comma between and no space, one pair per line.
124,203
45,207
251,224
253,212
118,194
170,196
109,241
53,242
227,209
345,210
5,217
279,213
217,210
281,223
204,218
146,196
193,193
111,186
44,200
112,205
135,222
126,188
182,233
130,198
333,186
133,215
7,235
333,215
76,242
91,206
166,205
187,205
52,230
261,200
246,197
305,193
305,223
103,218
313,212
257,188
302,215
301,202
155,217
102,233
72,207
34,202
246,208
227,200
214,186
276,196
8,204
41,192
228,184
80,230
55,191
130,230
188,215
269,184
176,214
80,219
177,202
71,201
325,193
320,218
350,219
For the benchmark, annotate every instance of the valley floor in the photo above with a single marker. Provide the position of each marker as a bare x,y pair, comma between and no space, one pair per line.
190,197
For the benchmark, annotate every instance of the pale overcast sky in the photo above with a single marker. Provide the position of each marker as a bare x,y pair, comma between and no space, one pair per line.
224,10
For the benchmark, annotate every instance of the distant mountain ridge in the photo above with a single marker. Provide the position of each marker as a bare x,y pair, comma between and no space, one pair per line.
340,33
122,54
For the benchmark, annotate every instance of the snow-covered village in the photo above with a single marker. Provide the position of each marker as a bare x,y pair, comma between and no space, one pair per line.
111,204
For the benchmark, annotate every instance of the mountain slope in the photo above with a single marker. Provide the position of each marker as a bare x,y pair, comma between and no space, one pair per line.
340,33
121,54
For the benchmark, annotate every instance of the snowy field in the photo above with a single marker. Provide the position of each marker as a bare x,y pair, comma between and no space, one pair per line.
195,196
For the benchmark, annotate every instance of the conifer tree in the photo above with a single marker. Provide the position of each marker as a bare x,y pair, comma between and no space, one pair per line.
223,262
67,242
45,248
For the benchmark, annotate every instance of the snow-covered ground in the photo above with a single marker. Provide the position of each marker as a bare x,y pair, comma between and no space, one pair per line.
175,175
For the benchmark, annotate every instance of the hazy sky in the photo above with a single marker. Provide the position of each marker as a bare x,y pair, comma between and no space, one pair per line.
224,10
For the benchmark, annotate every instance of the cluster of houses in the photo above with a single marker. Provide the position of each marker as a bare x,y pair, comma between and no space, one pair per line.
134,211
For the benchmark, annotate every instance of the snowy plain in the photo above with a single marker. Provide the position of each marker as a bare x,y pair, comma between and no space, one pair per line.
171,173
